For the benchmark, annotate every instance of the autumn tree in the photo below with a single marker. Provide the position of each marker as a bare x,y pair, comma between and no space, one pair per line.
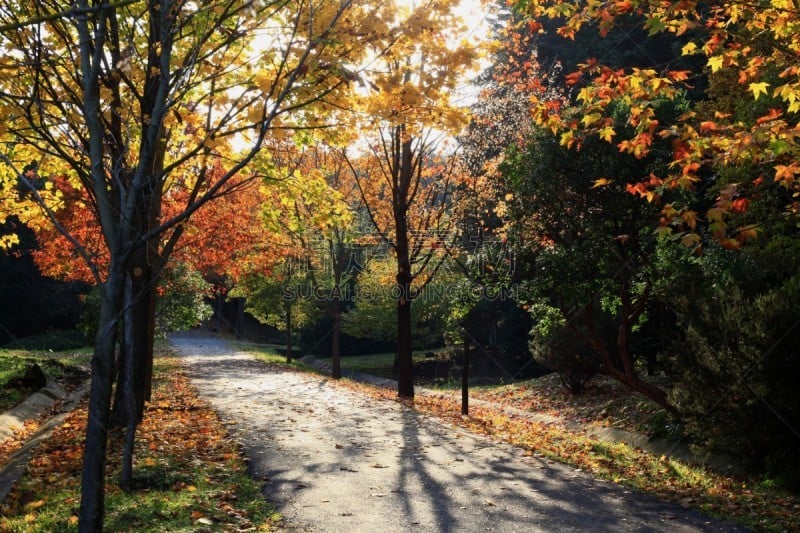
730,174
590,256
163,92
404,174
314,207
753,45
279,298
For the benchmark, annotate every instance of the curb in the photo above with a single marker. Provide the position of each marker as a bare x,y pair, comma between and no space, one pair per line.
36,404
32,407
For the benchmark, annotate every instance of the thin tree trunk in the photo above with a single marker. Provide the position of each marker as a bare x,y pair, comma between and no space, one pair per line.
627,377
143,310
405,363
94,457
336,339
126,474
239,318
219,313
288,333
465,377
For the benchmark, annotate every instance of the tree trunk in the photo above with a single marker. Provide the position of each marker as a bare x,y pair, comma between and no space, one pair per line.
144,268
288,332
239,318
94,458
219,313
405,363
628,375
126,473
143,311
336,362
465,377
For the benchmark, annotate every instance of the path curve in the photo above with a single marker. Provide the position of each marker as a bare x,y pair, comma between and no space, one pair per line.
337,461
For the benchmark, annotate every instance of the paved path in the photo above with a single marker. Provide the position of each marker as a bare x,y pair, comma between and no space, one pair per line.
337,461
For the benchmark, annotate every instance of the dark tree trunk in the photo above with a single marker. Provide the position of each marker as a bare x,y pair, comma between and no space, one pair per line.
219,312
95,448
239,318
627,376
128,321
405,363
465,377
143,310
336,338
288,309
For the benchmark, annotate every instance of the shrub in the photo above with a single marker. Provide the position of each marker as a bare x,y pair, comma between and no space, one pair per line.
555,347
737,374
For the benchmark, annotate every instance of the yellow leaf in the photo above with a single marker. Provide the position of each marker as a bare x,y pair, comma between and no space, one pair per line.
34,505
758,88
607,133
715,63
591,118
689,49
602,182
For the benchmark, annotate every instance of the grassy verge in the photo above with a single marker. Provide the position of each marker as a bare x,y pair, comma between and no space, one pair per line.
269,354
62,366
188,476
379,364
605,401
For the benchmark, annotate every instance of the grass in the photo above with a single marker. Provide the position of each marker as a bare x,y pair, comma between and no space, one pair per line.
379,364
61,366
605,401
269,354
188,475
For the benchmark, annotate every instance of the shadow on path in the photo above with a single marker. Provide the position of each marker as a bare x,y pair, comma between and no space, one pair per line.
336,461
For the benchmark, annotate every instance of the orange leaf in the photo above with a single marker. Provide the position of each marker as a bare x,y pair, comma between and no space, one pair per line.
740,205
573,78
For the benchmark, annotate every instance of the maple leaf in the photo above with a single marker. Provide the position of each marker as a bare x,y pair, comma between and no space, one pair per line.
607,133
573,78
740,205
716,63
689,49
758,89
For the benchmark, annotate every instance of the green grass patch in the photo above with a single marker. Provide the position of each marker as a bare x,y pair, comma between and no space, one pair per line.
63,366
269,353
50,341
379,364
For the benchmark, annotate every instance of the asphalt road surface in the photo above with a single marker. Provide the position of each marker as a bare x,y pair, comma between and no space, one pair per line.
337,461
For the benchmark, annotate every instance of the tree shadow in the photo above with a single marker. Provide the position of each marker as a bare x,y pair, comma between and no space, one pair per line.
305,438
